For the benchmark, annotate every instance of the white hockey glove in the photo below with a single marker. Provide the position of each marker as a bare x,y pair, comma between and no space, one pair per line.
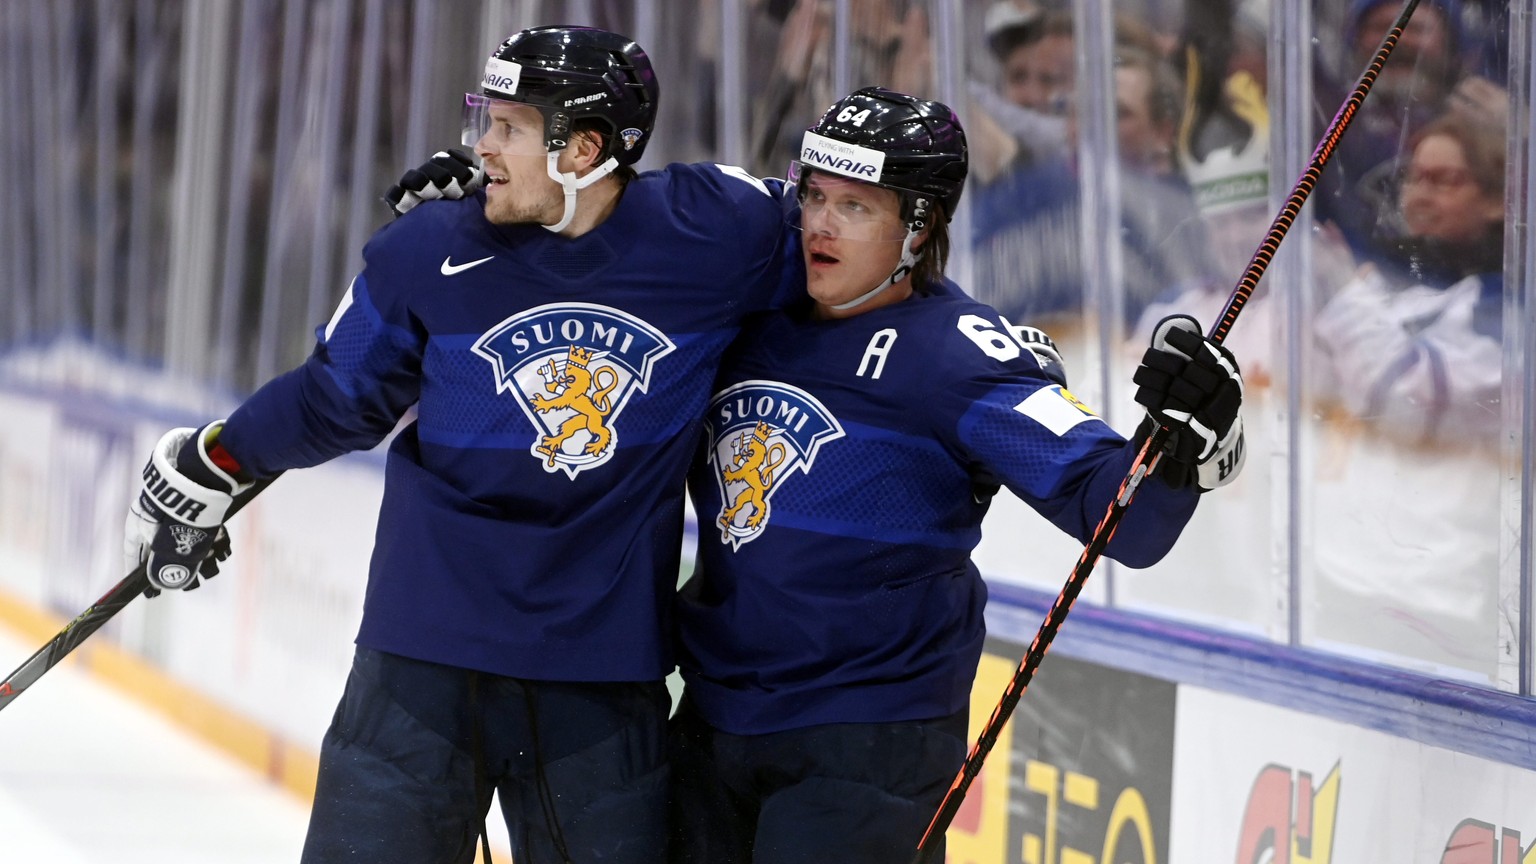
449,174
1044,349
1193,386
175,525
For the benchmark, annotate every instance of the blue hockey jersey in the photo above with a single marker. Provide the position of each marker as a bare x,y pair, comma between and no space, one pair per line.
848,468
532,516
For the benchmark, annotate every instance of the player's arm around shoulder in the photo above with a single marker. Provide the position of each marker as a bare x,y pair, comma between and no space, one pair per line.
744,218
450,174
728,201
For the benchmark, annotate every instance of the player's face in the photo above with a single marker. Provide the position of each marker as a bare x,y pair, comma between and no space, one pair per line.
1440,197
852,239
511,149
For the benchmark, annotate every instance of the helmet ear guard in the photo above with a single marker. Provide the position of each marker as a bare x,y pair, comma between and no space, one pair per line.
917,210
557,130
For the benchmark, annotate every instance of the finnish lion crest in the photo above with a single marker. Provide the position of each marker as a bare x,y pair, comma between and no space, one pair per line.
585,392
759,433
572,367
752,465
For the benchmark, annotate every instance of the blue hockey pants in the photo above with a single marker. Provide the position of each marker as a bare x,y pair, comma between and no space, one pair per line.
853,793
580,768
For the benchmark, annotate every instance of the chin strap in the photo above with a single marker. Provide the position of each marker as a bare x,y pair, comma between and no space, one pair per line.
903,269
571,184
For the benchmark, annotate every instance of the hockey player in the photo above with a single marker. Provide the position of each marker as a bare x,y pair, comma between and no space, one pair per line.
833,625
516,633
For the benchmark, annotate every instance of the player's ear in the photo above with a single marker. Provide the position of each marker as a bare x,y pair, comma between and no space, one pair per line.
586,149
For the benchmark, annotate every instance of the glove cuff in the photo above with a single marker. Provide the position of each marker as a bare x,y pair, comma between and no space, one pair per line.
174,493
1227,462
195,460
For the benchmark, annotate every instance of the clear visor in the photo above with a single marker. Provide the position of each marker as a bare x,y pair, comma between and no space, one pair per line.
507,128
826,204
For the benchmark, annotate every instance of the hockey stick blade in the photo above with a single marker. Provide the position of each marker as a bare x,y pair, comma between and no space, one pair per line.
91,620
1154,445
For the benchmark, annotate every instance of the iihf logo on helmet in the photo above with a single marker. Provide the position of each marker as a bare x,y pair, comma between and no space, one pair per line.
759,432
572,368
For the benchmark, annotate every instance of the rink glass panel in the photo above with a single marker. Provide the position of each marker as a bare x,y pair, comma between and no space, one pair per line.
1406,346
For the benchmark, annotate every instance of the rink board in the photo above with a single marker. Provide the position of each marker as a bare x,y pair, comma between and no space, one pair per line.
1106,765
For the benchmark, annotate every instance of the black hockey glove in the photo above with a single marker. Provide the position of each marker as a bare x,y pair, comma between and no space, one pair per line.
1193,386
175,524
450,174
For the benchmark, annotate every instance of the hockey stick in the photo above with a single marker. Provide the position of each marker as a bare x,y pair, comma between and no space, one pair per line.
93,617
1154,445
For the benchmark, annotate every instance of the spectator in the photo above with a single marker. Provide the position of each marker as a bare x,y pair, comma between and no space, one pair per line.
1485,39
1146,112
1012,121
1223,153
1415,337
1039,63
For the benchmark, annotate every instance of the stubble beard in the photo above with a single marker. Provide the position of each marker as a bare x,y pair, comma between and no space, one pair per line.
511,212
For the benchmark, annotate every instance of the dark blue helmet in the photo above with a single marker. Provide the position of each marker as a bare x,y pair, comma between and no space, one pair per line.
578,73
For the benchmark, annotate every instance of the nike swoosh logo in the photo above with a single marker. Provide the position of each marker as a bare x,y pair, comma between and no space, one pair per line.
449,268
